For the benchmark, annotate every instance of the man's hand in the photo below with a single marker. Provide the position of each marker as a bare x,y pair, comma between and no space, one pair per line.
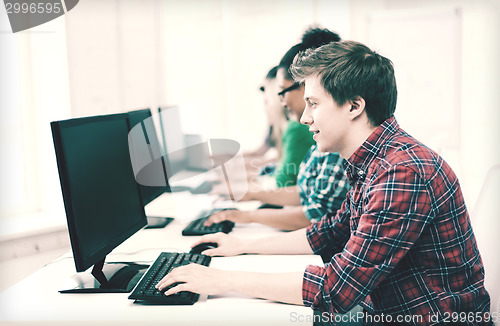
232,215
195,278
226,245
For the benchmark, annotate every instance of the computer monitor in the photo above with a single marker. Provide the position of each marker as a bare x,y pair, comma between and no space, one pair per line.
144,150
153,150
188,155
101,198
174,143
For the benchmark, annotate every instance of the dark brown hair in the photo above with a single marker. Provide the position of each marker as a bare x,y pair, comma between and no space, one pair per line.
349,70
313,38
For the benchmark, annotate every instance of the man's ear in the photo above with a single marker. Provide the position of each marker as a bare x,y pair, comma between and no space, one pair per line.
357,107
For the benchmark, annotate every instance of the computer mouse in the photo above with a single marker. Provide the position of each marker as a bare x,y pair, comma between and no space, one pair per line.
199,248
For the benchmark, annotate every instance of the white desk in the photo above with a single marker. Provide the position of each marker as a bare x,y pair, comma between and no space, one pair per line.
35,300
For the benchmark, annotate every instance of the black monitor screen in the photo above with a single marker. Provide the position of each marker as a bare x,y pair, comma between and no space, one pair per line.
101,196
148,150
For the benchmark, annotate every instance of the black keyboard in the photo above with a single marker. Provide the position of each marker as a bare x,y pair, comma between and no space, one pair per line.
146,292
196,226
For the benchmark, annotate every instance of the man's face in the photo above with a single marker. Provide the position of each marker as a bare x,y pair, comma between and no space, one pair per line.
292,100
328,121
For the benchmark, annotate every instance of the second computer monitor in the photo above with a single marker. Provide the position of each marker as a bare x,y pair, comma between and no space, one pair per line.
148,150
173,138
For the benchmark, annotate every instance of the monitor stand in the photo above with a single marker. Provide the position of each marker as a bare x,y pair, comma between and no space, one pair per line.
106,278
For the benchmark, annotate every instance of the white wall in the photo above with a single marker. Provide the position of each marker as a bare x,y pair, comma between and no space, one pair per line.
113,56
218,52
34,91
473,115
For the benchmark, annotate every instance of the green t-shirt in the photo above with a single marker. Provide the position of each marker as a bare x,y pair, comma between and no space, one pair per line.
296,141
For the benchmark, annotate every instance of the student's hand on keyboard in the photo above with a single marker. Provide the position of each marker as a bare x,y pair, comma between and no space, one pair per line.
226,245
232,215
195,278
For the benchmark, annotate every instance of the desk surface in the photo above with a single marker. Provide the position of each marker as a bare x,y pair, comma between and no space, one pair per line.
35,300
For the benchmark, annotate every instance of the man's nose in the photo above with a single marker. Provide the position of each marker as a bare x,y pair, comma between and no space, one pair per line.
306,117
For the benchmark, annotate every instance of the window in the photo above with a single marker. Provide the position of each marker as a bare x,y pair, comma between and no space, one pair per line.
34,87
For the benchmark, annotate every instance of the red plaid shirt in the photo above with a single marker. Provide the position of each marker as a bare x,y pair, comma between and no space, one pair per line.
402,242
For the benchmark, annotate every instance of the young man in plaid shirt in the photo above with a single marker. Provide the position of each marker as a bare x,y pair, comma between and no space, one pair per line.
401,245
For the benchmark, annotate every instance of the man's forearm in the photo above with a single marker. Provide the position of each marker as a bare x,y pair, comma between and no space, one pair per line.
288,218
281,287
286,196
286,243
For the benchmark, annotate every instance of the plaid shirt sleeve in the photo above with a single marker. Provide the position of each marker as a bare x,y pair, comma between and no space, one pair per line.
323,184
330,234
397,208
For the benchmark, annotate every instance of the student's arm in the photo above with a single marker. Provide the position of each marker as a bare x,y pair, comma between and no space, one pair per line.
285,243
282,287
289,218
285,196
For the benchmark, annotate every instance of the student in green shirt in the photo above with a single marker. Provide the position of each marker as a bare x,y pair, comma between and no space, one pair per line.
297,140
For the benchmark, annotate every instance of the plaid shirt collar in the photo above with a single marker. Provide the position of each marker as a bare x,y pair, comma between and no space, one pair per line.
357,165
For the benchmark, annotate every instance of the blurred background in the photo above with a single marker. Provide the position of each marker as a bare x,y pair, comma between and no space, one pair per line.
210,57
